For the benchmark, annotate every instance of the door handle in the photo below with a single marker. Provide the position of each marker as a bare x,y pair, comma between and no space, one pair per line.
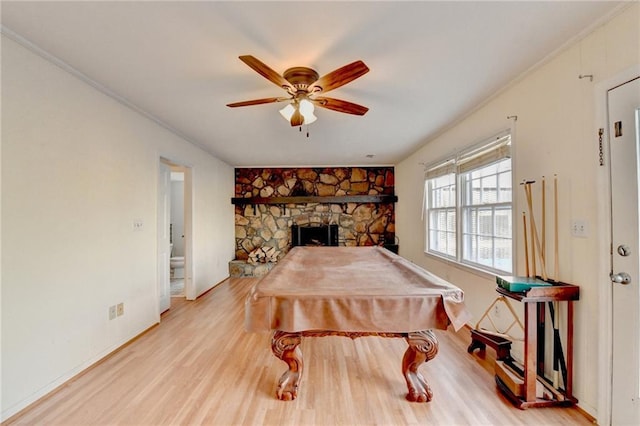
620,278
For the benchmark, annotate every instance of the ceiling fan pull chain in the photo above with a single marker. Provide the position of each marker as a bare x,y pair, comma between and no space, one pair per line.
300,129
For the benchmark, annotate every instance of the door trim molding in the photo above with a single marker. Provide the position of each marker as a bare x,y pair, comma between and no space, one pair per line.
189,280
605,305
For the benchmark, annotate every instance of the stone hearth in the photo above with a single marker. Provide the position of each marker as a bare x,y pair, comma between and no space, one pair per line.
242,268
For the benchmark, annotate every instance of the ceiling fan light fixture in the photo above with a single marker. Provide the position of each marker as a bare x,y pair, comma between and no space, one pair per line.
305,107
287,112
309,118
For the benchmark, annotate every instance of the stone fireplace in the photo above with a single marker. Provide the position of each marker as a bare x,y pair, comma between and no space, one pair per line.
274,207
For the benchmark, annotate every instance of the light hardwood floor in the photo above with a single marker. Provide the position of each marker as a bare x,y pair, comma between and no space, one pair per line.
199,366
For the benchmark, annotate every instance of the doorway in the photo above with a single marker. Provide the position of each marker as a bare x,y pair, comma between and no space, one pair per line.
623,107
175,265
176,233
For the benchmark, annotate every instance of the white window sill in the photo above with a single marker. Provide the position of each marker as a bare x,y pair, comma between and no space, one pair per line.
491,276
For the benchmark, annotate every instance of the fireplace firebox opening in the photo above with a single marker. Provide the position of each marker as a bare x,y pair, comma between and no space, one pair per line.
320,235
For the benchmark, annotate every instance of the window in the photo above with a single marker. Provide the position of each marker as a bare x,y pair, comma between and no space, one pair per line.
469,207
442,215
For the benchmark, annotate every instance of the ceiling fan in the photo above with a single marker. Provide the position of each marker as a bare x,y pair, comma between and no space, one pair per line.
303,86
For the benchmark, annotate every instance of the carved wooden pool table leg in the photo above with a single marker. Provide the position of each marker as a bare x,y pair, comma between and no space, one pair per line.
423,346
284,345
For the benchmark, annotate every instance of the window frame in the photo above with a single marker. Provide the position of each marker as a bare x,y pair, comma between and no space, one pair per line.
461,165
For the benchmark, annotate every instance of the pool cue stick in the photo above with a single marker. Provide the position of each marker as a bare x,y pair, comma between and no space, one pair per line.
527,189
556,269
556,352
557,348
544,219
531,228
554,317
534,231
557,343
541,250
533,247
526,244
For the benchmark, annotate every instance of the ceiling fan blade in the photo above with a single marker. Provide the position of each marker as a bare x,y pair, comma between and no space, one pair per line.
340,106
268,73
257,102
339,77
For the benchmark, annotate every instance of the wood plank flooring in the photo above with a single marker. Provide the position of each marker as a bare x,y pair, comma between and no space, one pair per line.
199,367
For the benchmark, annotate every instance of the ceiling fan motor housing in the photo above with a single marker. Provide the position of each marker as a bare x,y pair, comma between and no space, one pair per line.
301,77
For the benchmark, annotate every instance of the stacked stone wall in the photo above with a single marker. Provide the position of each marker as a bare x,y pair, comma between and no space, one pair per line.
359,224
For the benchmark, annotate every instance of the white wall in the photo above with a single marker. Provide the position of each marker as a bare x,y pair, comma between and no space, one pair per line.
555,133
77,169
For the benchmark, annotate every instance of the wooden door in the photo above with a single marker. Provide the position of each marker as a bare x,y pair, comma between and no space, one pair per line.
164,252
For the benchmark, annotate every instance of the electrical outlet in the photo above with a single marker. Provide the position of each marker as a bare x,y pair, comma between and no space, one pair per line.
112,312
496,311
120,309
137,224
579,228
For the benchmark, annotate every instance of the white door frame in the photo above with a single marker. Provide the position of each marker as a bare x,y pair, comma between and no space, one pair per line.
189,287
605,307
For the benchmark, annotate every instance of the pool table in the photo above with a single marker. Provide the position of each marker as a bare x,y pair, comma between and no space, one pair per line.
352,292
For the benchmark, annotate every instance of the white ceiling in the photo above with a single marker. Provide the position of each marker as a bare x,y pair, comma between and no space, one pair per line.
431,63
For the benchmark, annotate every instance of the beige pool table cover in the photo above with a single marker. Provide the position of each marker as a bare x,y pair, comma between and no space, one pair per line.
355,289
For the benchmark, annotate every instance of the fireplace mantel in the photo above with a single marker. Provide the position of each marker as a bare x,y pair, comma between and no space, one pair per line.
316,199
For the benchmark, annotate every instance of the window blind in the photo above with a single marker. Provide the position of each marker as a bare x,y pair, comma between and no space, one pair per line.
484,155
441,168
477,156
